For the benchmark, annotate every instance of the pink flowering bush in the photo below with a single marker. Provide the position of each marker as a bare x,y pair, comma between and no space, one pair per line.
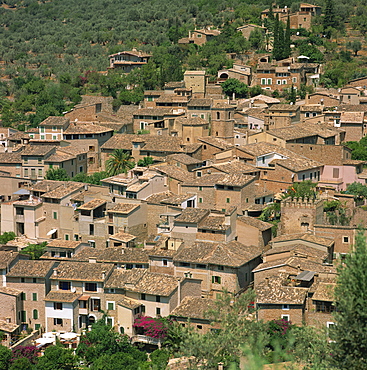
28,352
154,328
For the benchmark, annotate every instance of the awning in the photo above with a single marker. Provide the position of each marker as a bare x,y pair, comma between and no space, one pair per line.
22,192
84,298
305,276
51,232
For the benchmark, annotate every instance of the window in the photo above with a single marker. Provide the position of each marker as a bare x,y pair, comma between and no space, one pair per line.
263,81
76,237
54,215
23,296
198,174
95,304
294,80
109,321
228,200
42,130
34,280
91,229
23,316
35,314
165,262
62,254
26,172
220,268
57,321
269,81
66,236
64,285
345,239
34,296
37,327
200,188
110,306
90,287
110,230
285,307
143,297
184,264
216,279
57,305
199,266
157,298
285,317
158,311
335,173
279,82
199,327
42,137
22,280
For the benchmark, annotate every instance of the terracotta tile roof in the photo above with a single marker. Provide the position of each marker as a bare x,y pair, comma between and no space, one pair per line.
11,157
47,185
113,255
328,242
283,107
312,108
158,112
324,292
273,291
10,291
62,296
64,190
161,252
158,197
258,149
235,180
174,84
39,150
194,102
192,215
137,187
6,258
124,208
177,200
174,172
218,143
92,204
298,250
143,281
233,167
152,143
153,92
60,157
184,158
206,180
123,237
352,108
8,327
297,164
129,303
55,121
136,53
193,308
82,271
65,244
255,222
30,268
86,128
232,254
171,98
214,223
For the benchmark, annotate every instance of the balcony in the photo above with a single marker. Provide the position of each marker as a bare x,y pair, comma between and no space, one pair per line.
83,311
19,218
145,339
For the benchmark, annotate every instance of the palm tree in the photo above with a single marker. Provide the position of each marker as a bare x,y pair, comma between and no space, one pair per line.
120,161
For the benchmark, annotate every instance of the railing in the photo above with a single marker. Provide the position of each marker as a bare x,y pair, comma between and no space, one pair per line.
146,339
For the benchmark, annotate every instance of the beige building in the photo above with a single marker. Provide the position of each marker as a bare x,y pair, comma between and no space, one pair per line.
196,81
32,278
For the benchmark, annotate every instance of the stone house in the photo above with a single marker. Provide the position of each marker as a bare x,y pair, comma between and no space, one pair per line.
62,249
199,37
126,61
240,72
190,129
32,278
7,260
191,312
52,128
184,161
325,99
252,231
281,115
200,108
219,265
77,295
350,95
147,293
174,176
246,29
222,120
150,97
11,163
196,81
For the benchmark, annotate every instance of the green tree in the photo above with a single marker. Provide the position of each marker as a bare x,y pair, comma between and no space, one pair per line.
7,236
287,40
233,86
21,364
119,162
355,45
5,356
303,190
145,162
358,190
350,332
57,358
330,20
57,174
35,250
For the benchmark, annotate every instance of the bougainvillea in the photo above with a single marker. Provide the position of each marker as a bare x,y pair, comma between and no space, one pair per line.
280,326
154,328
28,352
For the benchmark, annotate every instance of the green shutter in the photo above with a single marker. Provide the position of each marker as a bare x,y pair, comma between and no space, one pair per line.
34,296
24,316
23,297
35,314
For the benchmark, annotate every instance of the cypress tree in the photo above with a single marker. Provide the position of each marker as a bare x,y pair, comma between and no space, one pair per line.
287,40
276,46
350,332
330,19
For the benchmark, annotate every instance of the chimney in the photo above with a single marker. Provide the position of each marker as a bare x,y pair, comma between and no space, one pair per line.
178,292
267,281
8,320
55,272
103,275
123,250
92,260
